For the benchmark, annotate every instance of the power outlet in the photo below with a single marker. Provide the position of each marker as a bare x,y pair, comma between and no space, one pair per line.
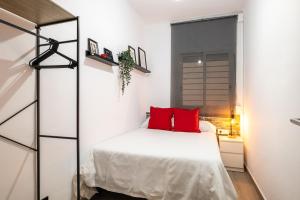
223,132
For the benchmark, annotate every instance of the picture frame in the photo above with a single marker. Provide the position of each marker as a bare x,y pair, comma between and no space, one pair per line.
93,47
142,58
132,53
109,54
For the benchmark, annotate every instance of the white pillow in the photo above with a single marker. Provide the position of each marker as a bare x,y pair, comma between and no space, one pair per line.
145,123
205,126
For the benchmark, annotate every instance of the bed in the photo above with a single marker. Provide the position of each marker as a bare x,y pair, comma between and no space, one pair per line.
160,165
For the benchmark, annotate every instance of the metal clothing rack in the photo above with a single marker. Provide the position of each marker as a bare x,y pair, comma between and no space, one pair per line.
37,101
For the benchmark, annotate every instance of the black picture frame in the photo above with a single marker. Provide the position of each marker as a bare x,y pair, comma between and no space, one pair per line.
109,54
93,47
132,53
142,58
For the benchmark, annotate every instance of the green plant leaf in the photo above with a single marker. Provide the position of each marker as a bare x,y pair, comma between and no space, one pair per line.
126,64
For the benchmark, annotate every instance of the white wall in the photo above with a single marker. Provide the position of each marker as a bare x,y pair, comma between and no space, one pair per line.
16,91
103,108
104,112
272,38
240,60
158,44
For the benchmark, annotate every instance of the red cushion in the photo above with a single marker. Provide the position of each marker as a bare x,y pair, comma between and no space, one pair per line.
160,118
186,120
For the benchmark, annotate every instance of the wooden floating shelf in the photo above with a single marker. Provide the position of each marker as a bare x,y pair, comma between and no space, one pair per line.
37,11
110,63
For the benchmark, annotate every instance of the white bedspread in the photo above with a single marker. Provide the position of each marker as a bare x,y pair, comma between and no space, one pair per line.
160,165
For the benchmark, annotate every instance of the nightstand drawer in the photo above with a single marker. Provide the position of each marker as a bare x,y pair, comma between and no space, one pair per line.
231,147
233,160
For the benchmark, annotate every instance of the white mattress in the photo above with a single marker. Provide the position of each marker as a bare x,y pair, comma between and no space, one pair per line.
160,165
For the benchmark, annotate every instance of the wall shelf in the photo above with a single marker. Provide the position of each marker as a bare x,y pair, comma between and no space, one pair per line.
99,59
39,12
142,69
295,121
110,63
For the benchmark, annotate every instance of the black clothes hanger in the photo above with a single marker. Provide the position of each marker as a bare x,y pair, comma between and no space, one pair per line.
49,52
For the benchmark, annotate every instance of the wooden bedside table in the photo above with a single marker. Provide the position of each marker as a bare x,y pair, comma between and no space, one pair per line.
232,153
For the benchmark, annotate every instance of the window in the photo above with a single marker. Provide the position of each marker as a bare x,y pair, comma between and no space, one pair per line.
203,66
207,82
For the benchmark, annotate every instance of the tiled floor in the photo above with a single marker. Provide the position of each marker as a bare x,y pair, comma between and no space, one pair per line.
243,183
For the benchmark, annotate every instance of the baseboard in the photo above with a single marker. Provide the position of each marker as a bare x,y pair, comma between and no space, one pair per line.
255,183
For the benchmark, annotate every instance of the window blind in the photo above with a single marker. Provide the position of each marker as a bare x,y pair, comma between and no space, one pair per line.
207,83
203,66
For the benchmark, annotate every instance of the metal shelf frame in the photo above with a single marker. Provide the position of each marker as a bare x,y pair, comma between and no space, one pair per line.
37,101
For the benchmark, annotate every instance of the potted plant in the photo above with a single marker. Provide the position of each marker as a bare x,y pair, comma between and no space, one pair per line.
126,64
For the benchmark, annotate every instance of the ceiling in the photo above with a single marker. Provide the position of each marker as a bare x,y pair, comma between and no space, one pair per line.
180,10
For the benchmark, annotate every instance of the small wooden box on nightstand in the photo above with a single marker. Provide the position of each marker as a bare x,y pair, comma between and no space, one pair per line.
232,153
